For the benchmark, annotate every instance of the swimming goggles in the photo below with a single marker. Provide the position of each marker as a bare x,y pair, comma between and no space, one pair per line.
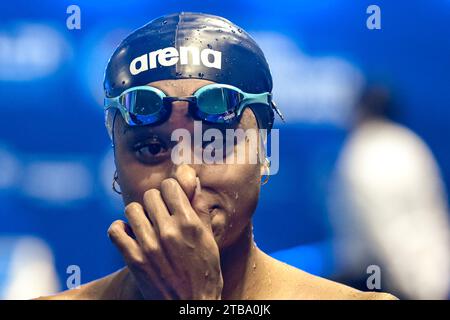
213,103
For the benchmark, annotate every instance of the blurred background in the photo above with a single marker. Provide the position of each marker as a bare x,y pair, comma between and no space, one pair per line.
364,153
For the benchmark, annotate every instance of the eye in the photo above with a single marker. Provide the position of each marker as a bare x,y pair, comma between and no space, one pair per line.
151,151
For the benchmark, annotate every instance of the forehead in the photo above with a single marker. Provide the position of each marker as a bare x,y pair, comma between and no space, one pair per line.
180,87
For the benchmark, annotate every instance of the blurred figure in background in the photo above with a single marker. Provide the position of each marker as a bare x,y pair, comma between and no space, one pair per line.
388,205
26,268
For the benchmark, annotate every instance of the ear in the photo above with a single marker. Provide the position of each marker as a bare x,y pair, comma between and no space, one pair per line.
264,167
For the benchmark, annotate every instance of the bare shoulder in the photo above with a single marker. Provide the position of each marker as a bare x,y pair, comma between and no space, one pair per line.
90,291
296,284
113,286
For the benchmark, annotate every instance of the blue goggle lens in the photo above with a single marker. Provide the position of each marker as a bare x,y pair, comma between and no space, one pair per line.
141,102
215,104
218,101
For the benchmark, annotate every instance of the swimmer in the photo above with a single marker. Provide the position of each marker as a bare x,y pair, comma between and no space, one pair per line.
187,231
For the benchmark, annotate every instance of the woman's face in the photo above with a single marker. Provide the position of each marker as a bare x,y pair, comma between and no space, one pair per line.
143,160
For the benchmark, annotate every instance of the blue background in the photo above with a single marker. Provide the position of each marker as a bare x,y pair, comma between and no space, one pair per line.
50,112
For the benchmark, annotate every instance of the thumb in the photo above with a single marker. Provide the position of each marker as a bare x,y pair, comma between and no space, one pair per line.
200,206
186,177
190,183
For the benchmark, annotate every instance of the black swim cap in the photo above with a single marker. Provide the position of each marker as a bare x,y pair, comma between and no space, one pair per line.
188,45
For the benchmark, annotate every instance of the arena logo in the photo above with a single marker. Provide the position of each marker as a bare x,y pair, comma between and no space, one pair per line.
170,56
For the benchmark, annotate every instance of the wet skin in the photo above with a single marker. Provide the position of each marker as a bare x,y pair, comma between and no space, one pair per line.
184,242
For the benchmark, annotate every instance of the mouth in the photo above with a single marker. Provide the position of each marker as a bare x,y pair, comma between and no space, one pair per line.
213,210
205,203
201,202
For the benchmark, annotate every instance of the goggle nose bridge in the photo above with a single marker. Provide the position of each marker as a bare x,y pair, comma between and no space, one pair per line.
170,99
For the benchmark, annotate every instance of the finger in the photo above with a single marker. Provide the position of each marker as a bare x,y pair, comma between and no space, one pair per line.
134,256
186,177
127,246
156,209
158,265
140,225
190,183
176,200
200,207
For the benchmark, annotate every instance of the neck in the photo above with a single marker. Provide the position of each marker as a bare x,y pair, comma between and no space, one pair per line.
238,263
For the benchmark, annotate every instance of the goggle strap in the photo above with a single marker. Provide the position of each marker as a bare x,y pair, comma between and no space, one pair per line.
275,107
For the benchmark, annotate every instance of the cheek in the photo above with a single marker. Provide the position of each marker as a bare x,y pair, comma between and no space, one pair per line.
240,191
135,177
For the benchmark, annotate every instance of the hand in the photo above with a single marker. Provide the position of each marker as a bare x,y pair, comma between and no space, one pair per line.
168,245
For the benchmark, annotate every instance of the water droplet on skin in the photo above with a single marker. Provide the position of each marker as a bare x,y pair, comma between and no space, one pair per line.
254,266
199,186
236,195
206,274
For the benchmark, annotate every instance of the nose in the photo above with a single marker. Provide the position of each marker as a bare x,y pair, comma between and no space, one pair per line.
181,119
180,116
